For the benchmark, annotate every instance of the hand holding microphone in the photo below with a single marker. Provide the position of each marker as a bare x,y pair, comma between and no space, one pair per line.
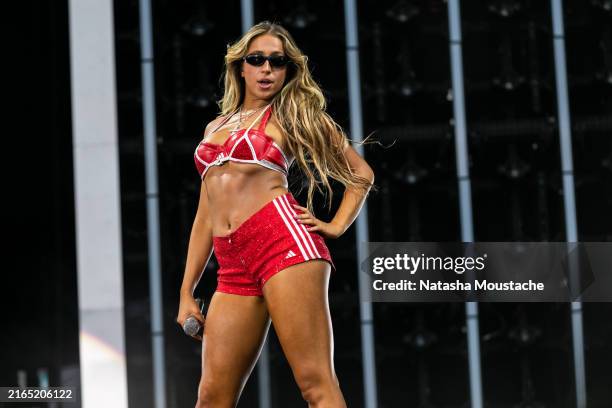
193,324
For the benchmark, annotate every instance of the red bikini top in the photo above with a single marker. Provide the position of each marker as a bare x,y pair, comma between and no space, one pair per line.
244,146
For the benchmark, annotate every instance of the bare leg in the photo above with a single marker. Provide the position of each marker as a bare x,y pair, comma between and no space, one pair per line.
297,301
236,327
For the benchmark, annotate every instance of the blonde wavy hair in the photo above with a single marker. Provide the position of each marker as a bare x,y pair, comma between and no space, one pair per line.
313,137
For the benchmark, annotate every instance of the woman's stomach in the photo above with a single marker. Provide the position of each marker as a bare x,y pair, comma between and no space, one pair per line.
235,191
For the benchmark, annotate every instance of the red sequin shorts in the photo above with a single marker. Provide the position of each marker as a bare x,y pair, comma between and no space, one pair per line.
269,241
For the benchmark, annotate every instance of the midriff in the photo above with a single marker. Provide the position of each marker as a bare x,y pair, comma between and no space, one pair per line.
236,191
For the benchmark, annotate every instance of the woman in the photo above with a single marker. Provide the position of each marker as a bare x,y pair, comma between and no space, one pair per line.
273,261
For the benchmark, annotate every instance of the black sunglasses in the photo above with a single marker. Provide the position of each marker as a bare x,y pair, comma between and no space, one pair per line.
258,60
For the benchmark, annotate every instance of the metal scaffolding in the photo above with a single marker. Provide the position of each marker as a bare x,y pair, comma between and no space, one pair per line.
362,229
569,201
465,194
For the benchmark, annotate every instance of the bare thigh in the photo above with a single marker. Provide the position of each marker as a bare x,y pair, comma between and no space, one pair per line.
235,330
298,305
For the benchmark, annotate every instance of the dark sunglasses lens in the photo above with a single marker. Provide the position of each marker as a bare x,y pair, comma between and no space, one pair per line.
275,60
256,60
278,61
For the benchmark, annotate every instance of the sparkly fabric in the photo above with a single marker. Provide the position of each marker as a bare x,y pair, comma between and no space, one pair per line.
269,241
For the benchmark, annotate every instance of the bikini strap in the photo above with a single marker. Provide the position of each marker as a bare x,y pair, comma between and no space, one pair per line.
264,121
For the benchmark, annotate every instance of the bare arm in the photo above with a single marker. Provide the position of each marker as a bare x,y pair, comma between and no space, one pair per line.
353,199
200,246
198,254
200,240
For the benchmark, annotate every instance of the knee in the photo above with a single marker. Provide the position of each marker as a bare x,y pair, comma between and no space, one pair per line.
210,396
316,384
206,398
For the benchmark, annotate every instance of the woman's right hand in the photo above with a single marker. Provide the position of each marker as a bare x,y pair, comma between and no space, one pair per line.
188,306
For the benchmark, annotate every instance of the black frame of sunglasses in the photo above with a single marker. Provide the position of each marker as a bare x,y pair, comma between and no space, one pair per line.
273,59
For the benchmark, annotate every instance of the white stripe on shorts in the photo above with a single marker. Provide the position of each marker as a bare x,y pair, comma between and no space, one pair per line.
306,232
296,225
277,202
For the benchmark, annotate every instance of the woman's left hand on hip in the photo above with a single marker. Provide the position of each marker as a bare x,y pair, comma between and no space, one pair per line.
327,229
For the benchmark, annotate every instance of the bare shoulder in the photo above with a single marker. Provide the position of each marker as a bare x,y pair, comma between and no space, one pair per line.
213,124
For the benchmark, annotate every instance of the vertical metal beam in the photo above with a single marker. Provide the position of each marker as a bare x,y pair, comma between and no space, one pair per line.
264,382
362,229
465,194
567,166
152,193
263,375
97,204
247,14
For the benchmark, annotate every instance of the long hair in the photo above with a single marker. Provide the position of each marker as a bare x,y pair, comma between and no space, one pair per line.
313,137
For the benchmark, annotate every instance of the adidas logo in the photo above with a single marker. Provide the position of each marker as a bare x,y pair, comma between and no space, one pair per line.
290,254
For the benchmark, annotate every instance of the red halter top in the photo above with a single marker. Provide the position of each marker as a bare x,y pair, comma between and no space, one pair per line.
244,146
